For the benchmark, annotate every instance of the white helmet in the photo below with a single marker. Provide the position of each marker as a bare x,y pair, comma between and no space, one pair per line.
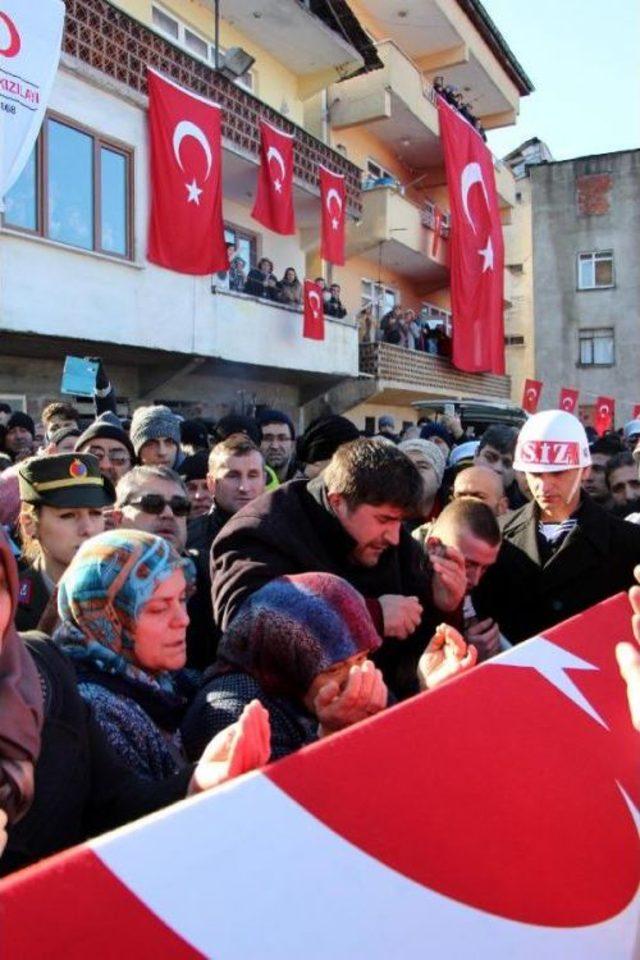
551,441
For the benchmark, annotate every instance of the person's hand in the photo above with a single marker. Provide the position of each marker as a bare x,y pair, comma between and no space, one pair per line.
628,658
401,615
3,830
241,747
634,598
364,695
453,423
485,636
449,578
446,656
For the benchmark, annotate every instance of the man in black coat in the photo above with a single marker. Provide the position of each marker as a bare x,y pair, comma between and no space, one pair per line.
348,522
562,552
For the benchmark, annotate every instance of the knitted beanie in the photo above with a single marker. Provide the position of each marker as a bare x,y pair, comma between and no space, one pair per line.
103,426
430,451
323,436
20,419
153,423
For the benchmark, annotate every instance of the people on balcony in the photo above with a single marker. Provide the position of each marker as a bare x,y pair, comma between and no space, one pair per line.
237,274
290,288
409,330
333,306
367,325
262,281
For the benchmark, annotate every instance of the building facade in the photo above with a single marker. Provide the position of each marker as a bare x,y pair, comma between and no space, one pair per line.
586,240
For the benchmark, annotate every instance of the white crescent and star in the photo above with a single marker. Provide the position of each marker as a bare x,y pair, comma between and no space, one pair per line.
314,296
274,154
333,194
567,403
471,175
185,128
532,393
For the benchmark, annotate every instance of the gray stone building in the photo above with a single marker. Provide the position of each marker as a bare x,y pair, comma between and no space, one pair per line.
586,290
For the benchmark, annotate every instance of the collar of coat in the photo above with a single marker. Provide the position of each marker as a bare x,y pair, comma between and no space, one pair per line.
521,528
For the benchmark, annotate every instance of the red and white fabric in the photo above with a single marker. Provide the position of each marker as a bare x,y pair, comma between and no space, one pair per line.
476,249
332,196
273,207
313,318
531,395
568,400
605,412
496,817
186,230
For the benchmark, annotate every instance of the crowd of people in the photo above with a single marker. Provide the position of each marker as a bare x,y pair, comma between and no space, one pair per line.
404,328
453,95
261,281
183,601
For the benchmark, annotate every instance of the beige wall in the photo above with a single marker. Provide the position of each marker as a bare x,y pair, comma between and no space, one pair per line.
519,317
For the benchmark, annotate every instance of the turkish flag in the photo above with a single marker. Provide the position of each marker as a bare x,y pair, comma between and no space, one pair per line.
568,399
531,395
605,414
636,411
186,232
313,327
274,199
333,216
475,245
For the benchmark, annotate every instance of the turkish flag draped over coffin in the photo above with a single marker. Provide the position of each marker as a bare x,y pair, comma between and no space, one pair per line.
568,399
476,249
332,196
531,395
313,322
274,198
496,817
605,413
186,230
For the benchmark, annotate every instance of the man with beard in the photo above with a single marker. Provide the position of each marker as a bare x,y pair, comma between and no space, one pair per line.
278,442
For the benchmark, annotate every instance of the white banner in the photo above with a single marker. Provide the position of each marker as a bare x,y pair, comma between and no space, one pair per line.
30,40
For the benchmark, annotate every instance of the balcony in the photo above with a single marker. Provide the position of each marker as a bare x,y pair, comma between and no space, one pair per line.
403,376
121,48
401,235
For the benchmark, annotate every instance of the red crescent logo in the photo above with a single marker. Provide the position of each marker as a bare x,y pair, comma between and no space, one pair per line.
14,37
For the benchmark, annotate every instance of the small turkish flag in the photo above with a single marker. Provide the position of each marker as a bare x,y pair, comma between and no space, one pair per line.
186,232
274,199
313,327
531,395
636,411
568,399
605,413
333,216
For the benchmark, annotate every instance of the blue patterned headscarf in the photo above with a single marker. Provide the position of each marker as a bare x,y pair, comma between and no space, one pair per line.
103,591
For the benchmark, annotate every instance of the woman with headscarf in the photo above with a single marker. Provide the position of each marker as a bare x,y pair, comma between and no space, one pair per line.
299,645
20,703
123,620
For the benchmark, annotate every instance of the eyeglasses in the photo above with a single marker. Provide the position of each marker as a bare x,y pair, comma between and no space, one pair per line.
116,457
155,503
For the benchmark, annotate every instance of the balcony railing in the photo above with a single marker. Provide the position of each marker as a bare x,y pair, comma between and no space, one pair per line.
421,372
121,47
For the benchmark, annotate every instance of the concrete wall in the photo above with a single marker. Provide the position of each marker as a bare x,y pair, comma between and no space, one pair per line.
518,242
563,226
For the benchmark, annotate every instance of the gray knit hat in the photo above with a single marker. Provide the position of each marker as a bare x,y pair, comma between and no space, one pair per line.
430,451
152,423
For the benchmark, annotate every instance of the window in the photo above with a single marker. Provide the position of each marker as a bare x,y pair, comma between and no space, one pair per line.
595,270
194,42
597,348
436,317
245,242
374,174
76,189
514,341
379,296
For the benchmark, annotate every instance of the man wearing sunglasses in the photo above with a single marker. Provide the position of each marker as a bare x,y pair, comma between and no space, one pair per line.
110,445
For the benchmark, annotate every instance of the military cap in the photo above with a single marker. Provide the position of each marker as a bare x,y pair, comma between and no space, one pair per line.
65,480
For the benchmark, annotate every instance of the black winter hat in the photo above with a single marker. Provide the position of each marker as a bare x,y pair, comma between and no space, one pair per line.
194,433
20,419
323,436
104,426
235,423
275,416
194,467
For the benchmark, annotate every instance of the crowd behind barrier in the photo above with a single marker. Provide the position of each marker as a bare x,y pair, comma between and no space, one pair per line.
184,600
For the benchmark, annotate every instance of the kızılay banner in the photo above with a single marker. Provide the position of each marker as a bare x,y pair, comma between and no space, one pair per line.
30,40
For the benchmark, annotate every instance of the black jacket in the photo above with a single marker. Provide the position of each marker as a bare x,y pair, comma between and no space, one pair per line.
293,530
81,787
203,635
526,595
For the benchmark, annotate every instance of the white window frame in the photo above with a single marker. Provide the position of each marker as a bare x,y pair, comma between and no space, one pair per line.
430,312
592,257
377,297
247,82
588,339
382,171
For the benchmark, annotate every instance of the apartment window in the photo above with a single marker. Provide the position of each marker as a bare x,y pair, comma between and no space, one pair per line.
246,244
192,41
377,172
597,347
380,297
76,188
514,341
595,270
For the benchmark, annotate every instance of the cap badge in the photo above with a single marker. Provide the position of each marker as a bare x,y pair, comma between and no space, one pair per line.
77,469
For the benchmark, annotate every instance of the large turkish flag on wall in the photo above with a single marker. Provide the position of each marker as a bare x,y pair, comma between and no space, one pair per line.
274,200
186,231
476,247
333,216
